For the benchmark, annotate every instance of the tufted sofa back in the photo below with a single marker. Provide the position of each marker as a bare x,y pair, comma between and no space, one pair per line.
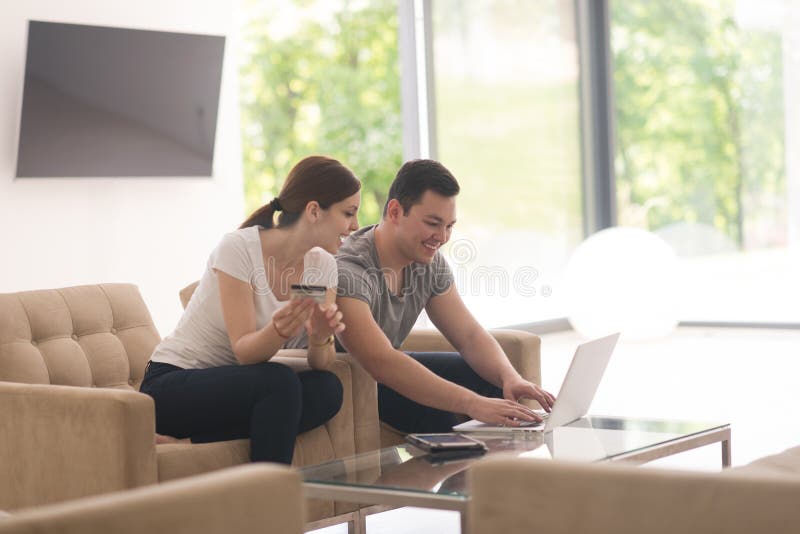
92,336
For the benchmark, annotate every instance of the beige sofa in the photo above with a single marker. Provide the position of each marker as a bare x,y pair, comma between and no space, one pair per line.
522,495
70,442
250,499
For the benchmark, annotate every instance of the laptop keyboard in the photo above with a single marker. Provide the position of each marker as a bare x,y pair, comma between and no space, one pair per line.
541,413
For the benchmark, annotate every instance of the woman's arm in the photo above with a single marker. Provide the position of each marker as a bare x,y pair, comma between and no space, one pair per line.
251,345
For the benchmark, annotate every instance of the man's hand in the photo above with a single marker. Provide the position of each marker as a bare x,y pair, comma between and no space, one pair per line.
500,412
516,389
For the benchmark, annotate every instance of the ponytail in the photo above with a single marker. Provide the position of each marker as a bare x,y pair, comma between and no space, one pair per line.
263,216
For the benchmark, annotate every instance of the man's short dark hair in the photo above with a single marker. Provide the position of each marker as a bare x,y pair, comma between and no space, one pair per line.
417,176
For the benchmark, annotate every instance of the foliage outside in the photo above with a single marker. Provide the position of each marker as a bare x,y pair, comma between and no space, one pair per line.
321,77
699,120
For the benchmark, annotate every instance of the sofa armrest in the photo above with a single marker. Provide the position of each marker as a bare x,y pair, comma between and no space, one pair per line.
64,442
516,495
363,395
522,348
256,498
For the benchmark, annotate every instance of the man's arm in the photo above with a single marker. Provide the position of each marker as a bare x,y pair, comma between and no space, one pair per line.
481,351
366,342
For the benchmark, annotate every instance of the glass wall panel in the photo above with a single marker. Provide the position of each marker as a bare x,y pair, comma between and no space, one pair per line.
507,119
705,118
321,77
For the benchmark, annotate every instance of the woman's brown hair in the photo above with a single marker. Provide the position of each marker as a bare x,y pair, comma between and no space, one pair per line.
317,178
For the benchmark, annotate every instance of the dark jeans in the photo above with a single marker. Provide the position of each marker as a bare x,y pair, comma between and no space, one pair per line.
266,402
408,416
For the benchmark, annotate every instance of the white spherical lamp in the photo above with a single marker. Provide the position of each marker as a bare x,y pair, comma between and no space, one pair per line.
622,280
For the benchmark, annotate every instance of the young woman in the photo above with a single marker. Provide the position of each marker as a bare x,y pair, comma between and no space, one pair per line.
211,379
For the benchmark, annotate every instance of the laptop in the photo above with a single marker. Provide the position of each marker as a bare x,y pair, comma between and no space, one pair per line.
576,394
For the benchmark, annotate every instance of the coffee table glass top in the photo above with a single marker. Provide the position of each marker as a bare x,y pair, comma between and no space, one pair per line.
592,439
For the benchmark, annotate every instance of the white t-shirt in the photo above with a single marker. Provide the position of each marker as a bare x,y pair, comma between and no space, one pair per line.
201,340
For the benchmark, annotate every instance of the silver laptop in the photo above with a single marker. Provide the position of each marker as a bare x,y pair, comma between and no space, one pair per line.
576,394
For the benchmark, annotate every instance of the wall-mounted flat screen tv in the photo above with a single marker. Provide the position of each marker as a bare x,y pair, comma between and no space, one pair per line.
112,102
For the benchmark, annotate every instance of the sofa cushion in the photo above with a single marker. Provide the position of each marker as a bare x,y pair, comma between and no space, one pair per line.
179,460
95,335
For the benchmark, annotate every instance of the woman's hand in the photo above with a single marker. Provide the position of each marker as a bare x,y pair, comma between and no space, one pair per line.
325,320
288,320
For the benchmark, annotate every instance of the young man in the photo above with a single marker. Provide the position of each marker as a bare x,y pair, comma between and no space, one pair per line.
389,273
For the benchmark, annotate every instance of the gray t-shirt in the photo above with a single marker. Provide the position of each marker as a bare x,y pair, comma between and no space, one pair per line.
361,277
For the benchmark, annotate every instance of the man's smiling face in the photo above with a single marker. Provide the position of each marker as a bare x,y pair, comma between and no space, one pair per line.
426,227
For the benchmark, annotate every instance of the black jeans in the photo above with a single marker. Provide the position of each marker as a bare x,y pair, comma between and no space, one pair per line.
266,402
408,416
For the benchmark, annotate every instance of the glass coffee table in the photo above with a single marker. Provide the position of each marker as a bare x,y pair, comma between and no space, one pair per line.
404,475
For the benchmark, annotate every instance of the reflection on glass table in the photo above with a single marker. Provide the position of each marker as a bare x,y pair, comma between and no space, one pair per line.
405,468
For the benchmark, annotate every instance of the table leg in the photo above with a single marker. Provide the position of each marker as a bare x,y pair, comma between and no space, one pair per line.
726,452
464,529
357,525
362,523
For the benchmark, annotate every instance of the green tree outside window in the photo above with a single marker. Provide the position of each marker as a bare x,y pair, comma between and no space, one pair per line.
699,119
321,77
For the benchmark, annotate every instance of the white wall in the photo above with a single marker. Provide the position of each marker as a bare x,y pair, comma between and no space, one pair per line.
154,232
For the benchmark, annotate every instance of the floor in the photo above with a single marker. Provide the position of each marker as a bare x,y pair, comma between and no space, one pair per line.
746,377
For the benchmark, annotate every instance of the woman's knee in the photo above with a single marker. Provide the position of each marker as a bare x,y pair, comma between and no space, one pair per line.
323,391
272,378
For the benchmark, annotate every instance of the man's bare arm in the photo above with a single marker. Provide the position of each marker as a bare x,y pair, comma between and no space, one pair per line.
450,315
366,342
481,351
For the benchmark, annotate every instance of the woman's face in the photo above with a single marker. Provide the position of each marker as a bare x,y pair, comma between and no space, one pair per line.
338,221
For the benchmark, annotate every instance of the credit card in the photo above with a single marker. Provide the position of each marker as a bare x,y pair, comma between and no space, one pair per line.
301,291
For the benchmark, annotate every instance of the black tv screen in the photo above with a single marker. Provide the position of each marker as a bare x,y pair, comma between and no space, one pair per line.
102,101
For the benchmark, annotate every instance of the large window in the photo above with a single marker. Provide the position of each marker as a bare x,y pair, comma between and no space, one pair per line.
703,115
704,94
507,124
321,77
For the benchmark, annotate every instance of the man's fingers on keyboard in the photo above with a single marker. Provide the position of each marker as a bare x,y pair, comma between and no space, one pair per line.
530,423
523,413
